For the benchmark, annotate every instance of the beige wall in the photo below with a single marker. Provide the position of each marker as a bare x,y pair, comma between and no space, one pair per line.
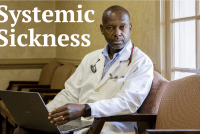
19,74
22,28
13,55
143,18
143,32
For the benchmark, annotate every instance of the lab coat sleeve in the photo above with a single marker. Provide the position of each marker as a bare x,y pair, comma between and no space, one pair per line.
71,92
134,91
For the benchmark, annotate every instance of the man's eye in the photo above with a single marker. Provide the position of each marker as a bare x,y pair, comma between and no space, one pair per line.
110,28
123,27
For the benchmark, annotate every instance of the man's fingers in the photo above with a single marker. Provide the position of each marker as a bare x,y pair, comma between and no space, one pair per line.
61,122
57,110
60,119
59,116
66,113
56,115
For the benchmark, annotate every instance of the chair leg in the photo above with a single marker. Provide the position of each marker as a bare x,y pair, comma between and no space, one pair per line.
1,123
153,125
7,126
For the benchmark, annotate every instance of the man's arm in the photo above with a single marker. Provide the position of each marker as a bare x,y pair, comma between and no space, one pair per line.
64,107
128,100
134,91
71,92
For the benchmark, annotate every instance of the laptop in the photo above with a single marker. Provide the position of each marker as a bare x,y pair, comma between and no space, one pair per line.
30,112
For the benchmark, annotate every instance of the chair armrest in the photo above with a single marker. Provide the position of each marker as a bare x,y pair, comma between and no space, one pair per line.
23,82
32,86
45,90
99,122
132,117
46,98
173,131
11,83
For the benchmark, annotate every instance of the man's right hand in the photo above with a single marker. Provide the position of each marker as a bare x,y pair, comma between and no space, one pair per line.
66,113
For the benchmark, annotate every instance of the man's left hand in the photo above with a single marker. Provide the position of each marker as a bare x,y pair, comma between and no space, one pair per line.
66,113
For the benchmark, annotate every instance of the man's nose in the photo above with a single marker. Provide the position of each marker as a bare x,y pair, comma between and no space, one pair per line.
117,32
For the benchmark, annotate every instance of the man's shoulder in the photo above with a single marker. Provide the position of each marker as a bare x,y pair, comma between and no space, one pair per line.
94,53
139,54
91,56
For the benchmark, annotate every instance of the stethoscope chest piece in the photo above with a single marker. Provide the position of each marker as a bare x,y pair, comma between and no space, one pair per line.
93,68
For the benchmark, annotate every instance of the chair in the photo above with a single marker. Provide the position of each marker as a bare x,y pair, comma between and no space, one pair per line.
44,81
178,110
60,76
150,106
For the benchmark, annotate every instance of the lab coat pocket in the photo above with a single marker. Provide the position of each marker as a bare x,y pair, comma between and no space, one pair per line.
113,86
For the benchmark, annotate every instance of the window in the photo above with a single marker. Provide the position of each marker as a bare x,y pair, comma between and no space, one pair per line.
183,38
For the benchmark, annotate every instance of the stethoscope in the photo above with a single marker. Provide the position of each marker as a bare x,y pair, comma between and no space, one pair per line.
94,69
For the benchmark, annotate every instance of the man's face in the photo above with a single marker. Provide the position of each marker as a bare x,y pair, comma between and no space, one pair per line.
116,30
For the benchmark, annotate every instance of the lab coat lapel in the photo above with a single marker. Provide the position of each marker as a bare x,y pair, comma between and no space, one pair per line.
107,75
100,67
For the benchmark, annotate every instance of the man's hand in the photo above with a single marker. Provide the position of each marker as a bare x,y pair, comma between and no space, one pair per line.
66,113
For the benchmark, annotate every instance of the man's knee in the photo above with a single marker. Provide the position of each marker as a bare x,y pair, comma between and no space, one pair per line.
19,130
16,131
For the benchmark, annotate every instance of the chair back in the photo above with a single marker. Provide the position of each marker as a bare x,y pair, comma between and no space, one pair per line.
179,107
152,102
47,73
61,75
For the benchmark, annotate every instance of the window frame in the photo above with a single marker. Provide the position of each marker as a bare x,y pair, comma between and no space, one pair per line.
170,54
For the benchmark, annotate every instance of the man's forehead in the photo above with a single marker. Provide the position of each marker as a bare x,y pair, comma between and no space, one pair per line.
113,16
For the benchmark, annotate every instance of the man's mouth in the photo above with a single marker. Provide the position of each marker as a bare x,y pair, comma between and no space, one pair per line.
117,42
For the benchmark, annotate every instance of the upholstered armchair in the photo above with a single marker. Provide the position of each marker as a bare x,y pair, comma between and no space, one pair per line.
60,76
44,81
177,110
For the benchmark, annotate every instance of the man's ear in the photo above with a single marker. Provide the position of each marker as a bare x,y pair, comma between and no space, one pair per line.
101,27
130,27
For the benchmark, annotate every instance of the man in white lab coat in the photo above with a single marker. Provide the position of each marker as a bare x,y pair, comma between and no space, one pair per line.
110,81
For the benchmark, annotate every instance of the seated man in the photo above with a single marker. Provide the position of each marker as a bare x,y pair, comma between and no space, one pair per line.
110,81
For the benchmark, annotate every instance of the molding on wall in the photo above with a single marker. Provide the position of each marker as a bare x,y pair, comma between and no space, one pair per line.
76,62
21,66
24,63
32,63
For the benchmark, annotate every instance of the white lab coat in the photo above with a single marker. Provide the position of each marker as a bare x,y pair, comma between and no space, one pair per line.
106,96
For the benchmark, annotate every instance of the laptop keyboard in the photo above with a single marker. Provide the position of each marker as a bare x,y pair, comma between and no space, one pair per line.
67,127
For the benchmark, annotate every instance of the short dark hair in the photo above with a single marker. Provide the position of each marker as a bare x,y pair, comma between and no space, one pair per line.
115,8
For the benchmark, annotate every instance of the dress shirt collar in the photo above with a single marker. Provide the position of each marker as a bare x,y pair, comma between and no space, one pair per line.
117,55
